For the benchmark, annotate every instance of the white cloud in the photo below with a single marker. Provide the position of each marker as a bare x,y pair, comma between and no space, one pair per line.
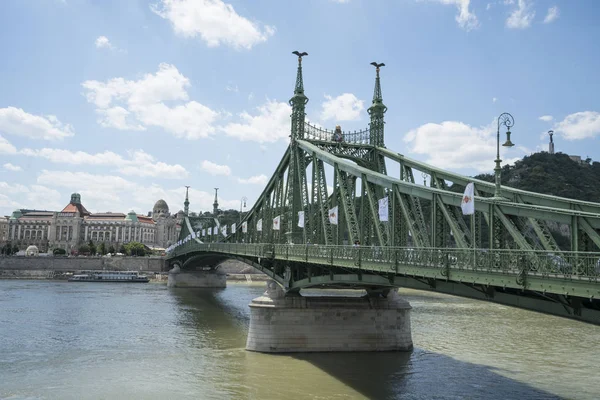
522,16
345,107
214,21
552,15
144,101
34,196
11,167
6,147
270,125
48,199
546,118
454,145
7,188
15,121
215,169
465,18
580,125
109,193
255,180
116,117
139,162
494,99
232,88
102,42
341,1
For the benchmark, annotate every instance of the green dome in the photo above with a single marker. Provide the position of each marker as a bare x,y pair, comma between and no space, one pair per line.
131,216
16,214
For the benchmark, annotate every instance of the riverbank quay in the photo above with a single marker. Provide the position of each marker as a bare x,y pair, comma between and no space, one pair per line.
61,268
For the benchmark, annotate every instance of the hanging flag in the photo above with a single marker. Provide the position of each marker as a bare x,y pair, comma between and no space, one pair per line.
301,219
224,230
468,201
216,230
333,215
244,226
383,209
203,232
276,222
259,225
233,228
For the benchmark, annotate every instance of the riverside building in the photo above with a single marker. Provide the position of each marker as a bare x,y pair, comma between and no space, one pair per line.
75,225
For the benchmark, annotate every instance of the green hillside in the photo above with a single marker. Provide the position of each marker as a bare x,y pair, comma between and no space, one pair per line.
554,174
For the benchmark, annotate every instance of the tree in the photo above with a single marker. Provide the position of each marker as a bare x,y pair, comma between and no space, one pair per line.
135,249
7,249
122,249
15,249
102,249
92,247
84,249
59,252
111,249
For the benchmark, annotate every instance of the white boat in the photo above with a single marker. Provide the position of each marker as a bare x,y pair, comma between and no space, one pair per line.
109,276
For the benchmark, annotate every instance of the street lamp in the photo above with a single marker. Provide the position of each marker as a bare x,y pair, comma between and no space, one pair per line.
507,120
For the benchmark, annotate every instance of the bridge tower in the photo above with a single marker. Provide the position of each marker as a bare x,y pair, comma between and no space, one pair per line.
376,111
296,189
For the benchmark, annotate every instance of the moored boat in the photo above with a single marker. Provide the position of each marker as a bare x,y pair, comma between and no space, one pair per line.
109,276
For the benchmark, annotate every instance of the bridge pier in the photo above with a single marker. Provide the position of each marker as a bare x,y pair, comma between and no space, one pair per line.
200,278
289,324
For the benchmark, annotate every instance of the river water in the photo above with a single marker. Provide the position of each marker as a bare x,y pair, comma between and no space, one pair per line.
61,340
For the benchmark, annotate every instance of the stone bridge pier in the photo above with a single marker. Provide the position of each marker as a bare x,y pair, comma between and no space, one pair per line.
285,323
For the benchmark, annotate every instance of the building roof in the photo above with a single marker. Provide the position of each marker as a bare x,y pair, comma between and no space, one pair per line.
146,220
76,208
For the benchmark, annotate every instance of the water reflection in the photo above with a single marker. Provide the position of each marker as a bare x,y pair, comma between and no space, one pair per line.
92,341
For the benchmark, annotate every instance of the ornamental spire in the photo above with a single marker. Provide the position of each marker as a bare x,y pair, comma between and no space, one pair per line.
216,204
377,110
298,102
299,90
186,203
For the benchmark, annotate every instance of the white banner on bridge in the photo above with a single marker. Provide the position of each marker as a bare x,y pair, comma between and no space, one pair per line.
468,201
216,230
383,209
276,223
233,228
203,232
333,215
244,226
224,230
259,225
301,219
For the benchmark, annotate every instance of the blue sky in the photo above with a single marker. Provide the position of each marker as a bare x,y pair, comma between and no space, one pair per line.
128,101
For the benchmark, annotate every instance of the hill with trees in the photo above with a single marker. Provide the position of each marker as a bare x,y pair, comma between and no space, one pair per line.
554,174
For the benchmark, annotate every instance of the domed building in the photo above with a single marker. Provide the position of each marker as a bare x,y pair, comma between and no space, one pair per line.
74,225
32,251
160,210
167,228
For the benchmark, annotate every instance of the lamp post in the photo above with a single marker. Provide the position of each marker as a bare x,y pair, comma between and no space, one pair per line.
507,120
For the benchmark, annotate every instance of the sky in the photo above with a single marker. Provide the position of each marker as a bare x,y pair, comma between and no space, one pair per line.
128,101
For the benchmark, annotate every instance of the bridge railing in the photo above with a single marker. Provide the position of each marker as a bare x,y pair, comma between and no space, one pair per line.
566,265
312,132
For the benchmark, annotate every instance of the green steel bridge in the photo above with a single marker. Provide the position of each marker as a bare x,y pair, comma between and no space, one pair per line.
504,252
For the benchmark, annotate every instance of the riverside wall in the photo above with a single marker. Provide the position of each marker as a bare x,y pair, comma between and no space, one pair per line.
40,267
